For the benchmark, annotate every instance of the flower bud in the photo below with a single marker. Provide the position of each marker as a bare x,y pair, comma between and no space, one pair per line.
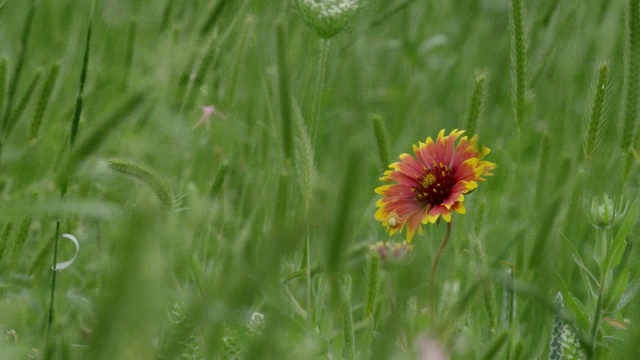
327,17
603,213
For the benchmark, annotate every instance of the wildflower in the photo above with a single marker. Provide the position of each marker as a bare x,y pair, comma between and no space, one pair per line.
432,184
207,111
390,252
604,213
256,324
327,17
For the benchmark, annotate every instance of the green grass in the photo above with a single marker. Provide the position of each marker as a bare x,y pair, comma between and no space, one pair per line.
186,231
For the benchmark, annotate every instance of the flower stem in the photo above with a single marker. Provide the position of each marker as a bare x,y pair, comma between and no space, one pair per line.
434,268
322,70
596,322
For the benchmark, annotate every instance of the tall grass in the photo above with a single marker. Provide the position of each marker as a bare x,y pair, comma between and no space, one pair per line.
249,237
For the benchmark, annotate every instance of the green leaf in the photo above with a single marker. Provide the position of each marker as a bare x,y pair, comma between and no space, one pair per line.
631,292
584,269
574,305
612,295
619,242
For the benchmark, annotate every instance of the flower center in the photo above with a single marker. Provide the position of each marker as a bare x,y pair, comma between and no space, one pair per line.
434,186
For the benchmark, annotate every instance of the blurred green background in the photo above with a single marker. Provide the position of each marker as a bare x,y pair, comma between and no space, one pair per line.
183,279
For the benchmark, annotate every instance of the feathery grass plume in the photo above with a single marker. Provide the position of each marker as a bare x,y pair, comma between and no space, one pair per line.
212,19
381,140
372,290
146,176
347,319
285,97
180,341
247,30
475,106
327,17
632,74
201,72
518,61
487,286
216,187
83,78
45,96
15,79
305,164
22,104
3,82
95,138
594,129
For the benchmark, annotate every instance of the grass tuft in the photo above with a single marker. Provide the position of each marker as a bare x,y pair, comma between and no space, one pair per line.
146,176
594,129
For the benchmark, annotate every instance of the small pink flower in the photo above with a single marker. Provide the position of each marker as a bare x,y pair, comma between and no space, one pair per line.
207,112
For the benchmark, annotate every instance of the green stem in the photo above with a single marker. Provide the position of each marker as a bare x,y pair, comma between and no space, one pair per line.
596,322
308,251
322,71
53,284
434,268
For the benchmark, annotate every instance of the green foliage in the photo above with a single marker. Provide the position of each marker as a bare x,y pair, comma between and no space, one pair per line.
270,207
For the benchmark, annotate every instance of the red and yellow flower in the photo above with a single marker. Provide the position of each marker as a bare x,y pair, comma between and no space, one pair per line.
433,183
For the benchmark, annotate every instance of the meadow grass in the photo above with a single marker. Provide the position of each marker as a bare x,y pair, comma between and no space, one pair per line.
242,230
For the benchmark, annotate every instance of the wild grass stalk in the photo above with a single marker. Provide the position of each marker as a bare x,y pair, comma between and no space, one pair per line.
131,46
5,246
320,83
632,74
142,173
475,106
306,175
43,101
197,78
594,128
3,83
381,140
518,62
285,98
50,347
213,17
96,136
16,78
243,45
347,319
372,288
22,104
83,78
218,182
